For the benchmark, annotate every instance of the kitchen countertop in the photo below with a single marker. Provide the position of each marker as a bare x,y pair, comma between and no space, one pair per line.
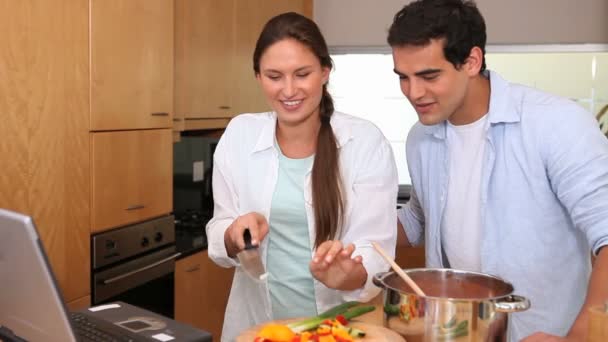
188,242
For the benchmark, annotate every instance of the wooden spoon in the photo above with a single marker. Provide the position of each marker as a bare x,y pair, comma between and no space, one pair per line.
398,270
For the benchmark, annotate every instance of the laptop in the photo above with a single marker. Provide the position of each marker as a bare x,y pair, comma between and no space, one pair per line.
32,308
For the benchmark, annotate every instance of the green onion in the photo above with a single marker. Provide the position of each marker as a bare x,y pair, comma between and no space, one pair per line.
358,311
338,309
342,309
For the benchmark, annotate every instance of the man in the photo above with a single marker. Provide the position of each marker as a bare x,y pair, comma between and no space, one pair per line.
506,180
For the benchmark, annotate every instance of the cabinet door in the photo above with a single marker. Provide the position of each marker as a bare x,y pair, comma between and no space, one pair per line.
131,175
204,50
44,150
251,15
201,293
131,64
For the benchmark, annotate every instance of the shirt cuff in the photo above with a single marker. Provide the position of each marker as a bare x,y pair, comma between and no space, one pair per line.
216,246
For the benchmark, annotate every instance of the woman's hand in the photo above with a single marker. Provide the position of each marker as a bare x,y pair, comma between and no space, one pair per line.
334,266
233,237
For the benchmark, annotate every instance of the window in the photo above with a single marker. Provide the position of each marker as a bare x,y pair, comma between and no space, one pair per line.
364,85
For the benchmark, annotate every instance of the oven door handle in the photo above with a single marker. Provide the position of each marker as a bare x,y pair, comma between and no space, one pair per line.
147,267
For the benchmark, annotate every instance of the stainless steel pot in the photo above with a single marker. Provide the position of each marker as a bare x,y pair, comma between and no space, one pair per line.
458,306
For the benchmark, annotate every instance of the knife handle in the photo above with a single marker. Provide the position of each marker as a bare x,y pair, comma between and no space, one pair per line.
247,239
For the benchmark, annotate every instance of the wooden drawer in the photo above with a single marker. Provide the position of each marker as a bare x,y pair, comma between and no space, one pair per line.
131,176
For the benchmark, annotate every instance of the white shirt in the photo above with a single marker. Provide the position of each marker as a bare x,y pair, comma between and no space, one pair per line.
461,226
244,177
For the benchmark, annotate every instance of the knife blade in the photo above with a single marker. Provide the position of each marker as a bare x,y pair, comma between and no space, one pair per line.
250,259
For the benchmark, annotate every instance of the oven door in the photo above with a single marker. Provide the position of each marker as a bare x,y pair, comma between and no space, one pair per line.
146,281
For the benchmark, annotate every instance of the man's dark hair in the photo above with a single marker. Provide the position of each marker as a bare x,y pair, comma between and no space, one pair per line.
458,22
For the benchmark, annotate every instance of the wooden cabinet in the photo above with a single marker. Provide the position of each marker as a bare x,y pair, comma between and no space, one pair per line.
204,52
131,64
68,67
44,103
131,175
214,77
201,293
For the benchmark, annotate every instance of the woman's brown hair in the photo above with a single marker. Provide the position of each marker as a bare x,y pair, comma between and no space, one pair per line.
328,202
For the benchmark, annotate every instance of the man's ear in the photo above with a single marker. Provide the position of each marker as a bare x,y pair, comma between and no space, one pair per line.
474,62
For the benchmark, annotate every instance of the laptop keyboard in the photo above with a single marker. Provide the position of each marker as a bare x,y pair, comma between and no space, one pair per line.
88,329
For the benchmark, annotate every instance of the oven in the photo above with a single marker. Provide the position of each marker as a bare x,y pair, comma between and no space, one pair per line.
136,264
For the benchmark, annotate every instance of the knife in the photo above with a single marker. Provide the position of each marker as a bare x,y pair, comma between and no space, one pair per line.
250,259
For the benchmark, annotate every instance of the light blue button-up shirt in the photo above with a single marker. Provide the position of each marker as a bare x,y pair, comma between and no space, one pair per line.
544,200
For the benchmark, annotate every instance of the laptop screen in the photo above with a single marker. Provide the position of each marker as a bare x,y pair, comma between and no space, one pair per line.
30,303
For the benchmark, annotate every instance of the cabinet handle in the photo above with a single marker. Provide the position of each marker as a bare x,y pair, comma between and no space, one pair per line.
224,107
194,268
135,207
160,114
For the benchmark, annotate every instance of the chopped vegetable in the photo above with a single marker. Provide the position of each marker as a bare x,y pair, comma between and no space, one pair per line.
338,309
276,333
358,311
342,319
345,310
330,326
354,332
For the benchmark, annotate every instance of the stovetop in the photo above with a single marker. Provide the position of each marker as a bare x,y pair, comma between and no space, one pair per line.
190,234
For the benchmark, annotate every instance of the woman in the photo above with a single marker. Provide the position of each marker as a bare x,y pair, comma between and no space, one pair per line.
313,186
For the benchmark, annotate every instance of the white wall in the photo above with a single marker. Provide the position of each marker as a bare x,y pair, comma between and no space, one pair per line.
365,22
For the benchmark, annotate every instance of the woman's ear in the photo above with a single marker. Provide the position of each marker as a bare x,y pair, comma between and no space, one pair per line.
474,62
325,74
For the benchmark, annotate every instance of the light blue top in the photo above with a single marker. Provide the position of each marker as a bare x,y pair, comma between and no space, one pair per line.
544,198
289,252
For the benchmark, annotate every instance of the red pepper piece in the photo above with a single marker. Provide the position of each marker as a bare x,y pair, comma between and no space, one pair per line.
342,319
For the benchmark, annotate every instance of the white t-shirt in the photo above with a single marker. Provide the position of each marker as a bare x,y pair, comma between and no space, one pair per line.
461,225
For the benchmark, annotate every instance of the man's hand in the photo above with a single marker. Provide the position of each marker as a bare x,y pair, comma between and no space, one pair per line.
334,266
233,237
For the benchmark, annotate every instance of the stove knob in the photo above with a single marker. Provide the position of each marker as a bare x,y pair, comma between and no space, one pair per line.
110,244
145,242
158,237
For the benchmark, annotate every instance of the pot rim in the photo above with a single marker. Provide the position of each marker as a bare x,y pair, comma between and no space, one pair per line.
380,277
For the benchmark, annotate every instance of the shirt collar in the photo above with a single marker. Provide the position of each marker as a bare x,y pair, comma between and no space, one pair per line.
266,138
500,109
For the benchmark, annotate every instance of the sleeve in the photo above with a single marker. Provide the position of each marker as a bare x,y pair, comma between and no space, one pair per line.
373,215
411,217
225,197
576,158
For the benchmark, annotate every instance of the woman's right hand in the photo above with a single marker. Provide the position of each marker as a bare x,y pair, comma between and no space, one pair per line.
233,237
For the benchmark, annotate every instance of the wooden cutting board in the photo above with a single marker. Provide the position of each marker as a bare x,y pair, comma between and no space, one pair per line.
373,332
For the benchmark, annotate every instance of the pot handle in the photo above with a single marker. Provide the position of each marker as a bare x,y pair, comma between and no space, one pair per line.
378,279
512,303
